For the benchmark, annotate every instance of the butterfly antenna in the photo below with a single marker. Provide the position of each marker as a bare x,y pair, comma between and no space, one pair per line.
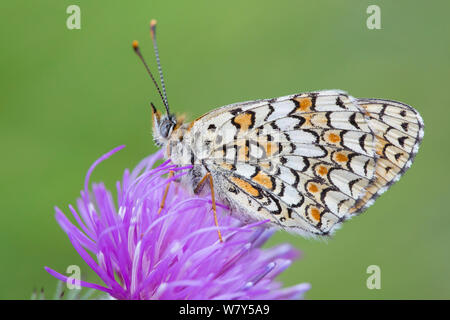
155,47
138,53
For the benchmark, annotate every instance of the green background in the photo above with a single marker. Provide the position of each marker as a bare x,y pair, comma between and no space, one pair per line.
68,96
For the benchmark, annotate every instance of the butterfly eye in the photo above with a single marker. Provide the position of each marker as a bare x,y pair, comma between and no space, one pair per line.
166,128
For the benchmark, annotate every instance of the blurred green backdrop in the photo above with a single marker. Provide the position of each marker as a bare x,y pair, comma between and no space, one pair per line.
68,96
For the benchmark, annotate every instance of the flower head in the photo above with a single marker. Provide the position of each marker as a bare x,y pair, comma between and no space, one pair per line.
140,254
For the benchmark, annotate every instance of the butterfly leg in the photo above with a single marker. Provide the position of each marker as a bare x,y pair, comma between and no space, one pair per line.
171,173
213,200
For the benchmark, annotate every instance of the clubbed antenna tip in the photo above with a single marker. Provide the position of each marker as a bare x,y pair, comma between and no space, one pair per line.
153,28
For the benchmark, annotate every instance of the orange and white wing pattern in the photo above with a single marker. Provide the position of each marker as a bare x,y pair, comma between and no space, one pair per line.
307,161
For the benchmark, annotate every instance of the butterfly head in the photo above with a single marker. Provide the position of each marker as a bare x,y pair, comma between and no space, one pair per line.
163,126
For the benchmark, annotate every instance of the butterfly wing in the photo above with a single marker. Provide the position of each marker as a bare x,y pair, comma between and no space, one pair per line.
308,161
398,130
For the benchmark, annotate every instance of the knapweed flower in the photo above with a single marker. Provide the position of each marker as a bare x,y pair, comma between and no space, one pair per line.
140,254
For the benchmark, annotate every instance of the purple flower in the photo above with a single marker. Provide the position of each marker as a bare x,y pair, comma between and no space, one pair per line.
176,254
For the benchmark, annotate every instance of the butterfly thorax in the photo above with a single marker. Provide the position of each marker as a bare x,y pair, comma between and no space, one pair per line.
183,149
177,147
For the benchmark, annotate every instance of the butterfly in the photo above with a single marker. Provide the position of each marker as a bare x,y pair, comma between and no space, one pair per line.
305,162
